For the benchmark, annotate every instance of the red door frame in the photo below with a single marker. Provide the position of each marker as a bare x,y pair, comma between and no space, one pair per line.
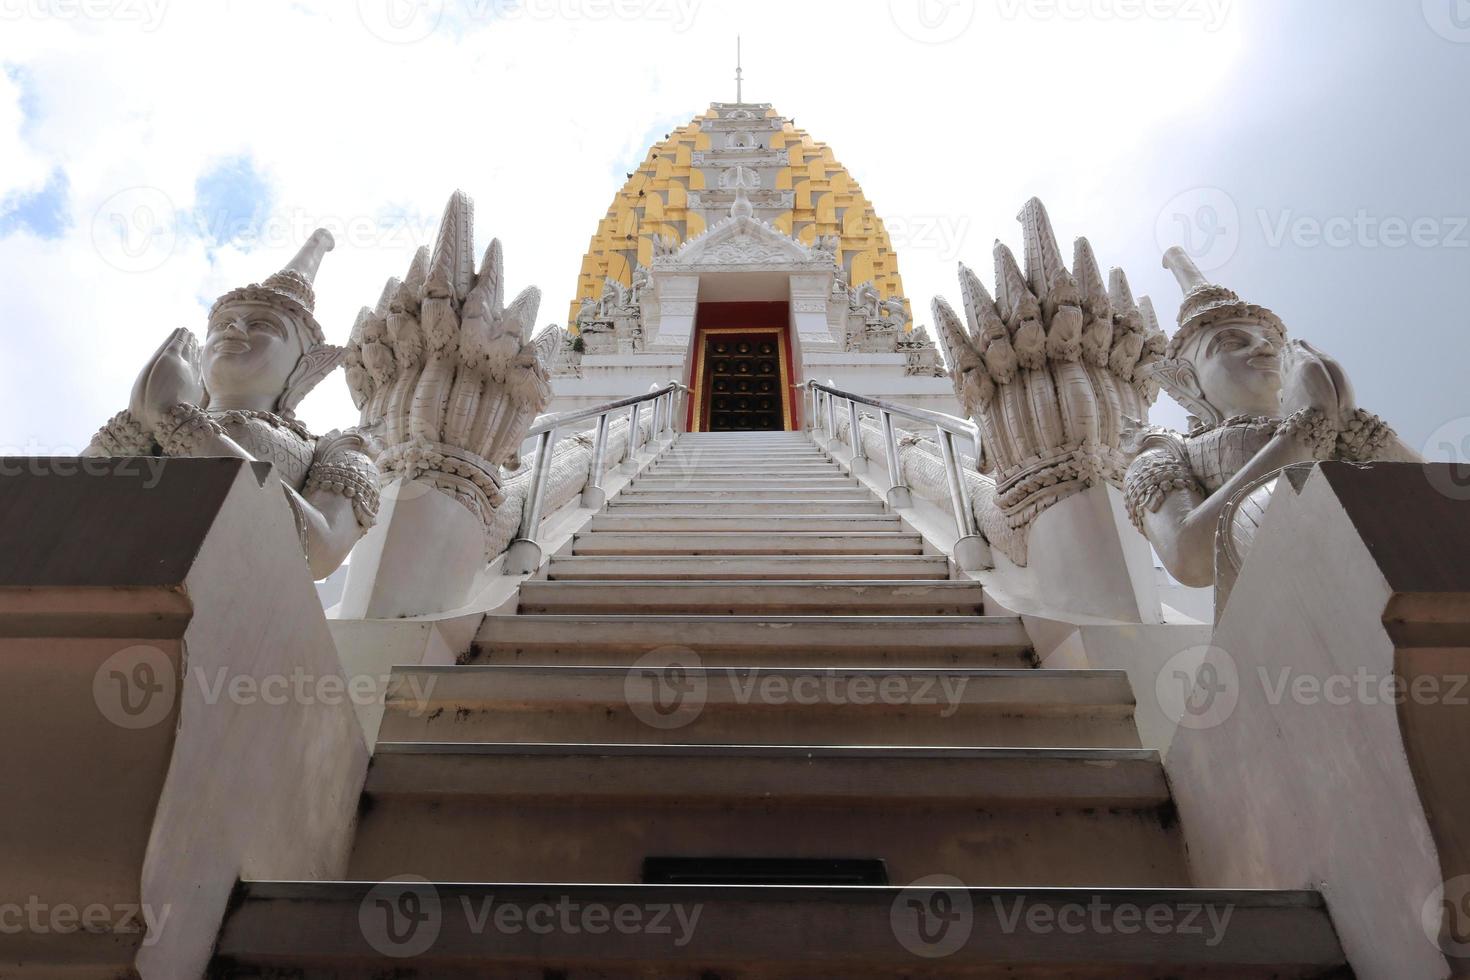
757,317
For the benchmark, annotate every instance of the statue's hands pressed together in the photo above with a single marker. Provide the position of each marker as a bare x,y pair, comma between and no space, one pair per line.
235,396
171,377
1259,403
1313,380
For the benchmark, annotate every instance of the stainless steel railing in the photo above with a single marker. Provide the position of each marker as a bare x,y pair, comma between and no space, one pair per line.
524,555
823,399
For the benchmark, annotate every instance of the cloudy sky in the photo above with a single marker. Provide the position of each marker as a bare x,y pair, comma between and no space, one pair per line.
154,153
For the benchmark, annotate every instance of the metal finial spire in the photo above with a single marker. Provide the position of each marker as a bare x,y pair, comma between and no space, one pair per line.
738,72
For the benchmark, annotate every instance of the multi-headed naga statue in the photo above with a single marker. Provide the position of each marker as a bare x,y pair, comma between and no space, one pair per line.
446,375
1257,403
236,396
1049,368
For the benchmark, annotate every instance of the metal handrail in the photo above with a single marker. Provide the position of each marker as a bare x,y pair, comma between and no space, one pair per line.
524,555
561,420
946,427
951,423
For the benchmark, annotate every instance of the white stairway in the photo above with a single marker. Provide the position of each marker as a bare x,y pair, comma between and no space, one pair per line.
748,692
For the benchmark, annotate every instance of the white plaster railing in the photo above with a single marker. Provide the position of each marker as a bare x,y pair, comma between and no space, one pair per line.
971,552
524,554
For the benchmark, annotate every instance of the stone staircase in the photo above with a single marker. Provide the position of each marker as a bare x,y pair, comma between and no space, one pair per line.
741,711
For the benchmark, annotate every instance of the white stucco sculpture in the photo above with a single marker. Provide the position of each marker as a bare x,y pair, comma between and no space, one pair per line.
1257,403
446,375
236,395
1049,369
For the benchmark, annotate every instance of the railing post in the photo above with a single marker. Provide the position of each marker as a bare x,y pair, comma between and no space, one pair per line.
898,493
971,553
524,555
630,452
593,496
857,438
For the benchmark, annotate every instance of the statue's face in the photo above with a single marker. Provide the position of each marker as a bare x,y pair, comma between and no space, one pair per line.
1239,368
249,352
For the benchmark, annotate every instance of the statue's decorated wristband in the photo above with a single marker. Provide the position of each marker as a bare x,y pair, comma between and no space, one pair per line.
358,484
185,429
1363,436
123,435
1151,478
1312,427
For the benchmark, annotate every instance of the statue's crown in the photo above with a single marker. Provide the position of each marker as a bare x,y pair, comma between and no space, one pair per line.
1206,303
291,288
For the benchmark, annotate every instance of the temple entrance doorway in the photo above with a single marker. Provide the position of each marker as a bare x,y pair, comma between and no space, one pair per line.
743,371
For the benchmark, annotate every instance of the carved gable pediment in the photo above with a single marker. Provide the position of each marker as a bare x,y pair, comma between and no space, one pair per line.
740,242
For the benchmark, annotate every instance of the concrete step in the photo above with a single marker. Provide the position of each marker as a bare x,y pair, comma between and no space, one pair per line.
686,504
756,454
815,467
698,446
532,812
742,486
976,641
833,498
744,448
761,706
844,523
744,482
792,598
748,567
745,476
362,930
744,473
741,543
763,460
730,438
706,440
769,775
